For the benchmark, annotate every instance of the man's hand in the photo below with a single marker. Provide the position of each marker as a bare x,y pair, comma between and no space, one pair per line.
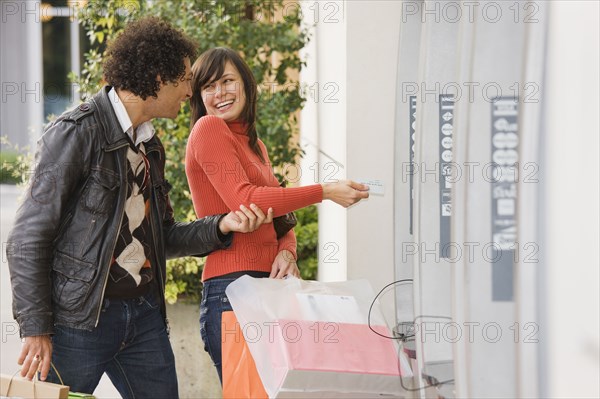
284,265
36,354
245,220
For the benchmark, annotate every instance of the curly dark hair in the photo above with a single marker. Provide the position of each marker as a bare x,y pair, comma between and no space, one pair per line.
144,49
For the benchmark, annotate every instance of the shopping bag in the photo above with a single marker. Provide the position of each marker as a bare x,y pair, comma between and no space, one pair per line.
16,386
80,395
314,339
240,378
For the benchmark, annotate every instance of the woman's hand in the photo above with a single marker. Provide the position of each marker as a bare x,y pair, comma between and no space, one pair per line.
245,220
284,265
345,192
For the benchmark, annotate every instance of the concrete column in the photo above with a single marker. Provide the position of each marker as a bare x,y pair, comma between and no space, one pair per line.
324,126
21,73
371,60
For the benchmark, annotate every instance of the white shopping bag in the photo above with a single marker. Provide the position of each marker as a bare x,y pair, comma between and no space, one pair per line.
313,339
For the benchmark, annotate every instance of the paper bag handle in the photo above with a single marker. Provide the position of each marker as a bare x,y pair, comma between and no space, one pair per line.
34,379
57,373
13,377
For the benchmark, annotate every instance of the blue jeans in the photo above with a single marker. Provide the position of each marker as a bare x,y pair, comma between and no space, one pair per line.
130,344
214,302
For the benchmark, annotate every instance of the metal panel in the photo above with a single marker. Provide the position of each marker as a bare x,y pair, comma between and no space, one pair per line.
432,205
406,90
489,155
527,265
404,151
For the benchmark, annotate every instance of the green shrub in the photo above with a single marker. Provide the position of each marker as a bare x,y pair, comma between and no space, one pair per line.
307,234
14,163
9,167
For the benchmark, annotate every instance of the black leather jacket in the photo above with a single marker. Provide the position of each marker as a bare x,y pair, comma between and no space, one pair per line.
60,248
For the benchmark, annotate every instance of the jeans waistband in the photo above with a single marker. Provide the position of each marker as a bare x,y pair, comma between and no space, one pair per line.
236,275
150,297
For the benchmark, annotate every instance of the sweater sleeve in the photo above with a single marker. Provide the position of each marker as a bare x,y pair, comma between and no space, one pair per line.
214,147
288,241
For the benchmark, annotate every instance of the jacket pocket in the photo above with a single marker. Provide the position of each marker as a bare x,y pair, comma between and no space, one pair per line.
71,281
99,194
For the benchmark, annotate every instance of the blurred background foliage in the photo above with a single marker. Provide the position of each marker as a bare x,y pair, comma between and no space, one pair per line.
269,35
14,163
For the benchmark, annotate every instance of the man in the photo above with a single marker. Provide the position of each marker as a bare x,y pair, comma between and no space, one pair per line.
88,248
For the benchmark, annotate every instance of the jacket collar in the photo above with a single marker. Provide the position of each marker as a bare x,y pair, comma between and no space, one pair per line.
113,133
144,131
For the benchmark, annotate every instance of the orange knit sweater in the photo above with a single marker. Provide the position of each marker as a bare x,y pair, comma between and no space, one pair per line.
223,173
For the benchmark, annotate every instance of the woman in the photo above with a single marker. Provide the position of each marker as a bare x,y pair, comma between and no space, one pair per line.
227,165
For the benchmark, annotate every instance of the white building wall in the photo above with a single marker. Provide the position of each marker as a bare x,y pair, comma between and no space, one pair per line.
569,182
352,57
373,29
323,126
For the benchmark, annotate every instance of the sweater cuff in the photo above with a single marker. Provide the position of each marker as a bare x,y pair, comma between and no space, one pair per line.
288,241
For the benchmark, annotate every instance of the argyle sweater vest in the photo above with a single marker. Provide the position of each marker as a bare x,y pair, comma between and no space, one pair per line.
131,268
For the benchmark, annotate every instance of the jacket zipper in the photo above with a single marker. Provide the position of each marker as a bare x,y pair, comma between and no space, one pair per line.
112,251
158,266
152,227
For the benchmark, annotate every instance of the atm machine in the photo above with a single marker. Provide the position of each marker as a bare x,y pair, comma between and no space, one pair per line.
497,130
469,227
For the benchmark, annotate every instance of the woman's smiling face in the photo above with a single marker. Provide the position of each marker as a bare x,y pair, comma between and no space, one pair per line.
224,97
